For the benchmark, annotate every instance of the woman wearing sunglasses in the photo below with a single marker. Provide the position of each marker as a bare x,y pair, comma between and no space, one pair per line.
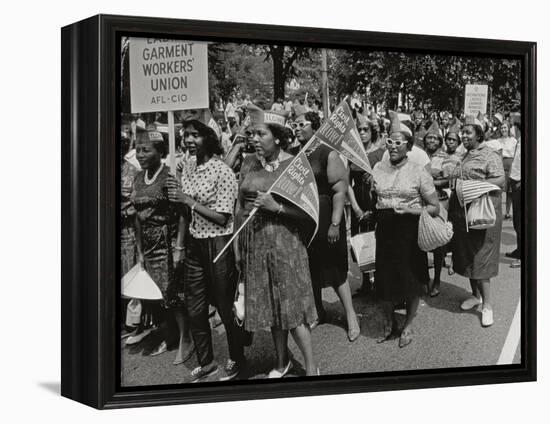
328,255
402,188
360,184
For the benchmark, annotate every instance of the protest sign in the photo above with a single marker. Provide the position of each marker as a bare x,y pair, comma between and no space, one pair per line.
475,99
168,75
297,185
339,132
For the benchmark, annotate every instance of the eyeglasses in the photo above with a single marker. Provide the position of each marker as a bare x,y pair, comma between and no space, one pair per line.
397,143
300,125
363,130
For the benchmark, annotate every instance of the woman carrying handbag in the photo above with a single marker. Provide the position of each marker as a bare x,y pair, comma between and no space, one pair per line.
476,252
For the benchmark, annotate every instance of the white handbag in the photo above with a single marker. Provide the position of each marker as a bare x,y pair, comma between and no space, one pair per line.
481,213
133,313
363,247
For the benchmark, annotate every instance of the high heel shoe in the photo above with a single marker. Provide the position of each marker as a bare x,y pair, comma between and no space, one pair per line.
406,338
354,333
392,335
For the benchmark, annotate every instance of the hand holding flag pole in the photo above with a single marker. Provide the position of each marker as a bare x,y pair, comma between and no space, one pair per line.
255,209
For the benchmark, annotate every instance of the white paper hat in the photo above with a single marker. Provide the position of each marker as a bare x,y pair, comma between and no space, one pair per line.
138,284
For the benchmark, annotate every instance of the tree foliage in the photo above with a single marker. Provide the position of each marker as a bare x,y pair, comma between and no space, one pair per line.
431,81
423,81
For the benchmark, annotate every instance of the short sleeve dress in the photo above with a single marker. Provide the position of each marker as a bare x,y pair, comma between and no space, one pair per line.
275,272
401,267
476,253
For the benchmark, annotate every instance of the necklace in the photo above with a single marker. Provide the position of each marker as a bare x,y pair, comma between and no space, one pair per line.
152,180
273,165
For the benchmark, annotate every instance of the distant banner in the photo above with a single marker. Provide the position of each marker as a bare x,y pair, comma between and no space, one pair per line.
297,185
168,75
475,99
340,133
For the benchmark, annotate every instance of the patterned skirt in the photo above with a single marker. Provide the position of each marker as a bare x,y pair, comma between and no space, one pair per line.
275,273
127,247
159,263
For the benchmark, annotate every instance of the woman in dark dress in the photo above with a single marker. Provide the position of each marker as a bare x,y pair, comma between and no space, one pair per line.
328,256
156,215
402,188
271,249
360,189
476,252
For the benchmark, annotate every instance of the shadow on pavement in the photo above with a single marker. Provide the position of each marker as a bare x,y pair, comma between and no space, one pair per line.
450,299
508,239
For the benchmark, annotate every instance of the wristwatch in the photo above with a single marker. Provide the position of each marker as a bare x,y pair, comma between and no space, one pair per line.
334,224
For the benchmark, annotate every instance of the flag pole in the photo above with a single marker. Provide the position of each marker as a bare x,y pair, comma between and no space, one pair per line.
253,211
172,142
324,82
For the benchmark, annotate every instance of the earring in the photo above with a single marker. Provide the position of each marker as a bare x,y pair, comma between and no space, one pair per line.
276,141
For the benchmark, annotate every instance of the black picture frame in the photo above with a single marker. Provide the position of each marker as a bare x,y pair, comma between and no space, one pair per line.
90,244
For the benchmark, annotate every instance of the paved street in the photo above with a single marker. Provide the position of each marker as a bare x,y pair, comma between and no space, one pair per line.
444,335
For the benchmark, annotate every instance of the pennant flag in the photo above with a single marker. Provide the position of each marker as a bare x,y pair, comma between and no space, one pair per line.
339,132
469,190
404,117
297,185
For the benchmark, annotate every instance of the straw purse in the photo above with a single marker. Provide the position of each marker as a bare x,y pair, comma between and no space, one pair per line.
433,232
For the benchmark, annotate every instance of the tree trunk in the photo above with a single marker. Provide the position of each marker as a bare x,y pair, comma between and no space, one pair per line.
277,53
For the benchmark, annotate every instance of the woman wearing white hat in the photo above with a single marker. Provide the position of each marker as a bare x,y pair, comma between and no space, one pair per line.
476,252
155,217
402,187
271,250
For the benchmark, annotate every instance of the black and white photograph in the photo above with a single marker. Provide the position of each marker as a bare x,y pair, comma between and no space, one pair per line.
292,211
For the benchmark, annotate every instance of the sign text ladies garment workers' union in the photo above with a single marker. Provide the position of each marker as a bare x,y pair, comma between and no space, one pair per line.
168,75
